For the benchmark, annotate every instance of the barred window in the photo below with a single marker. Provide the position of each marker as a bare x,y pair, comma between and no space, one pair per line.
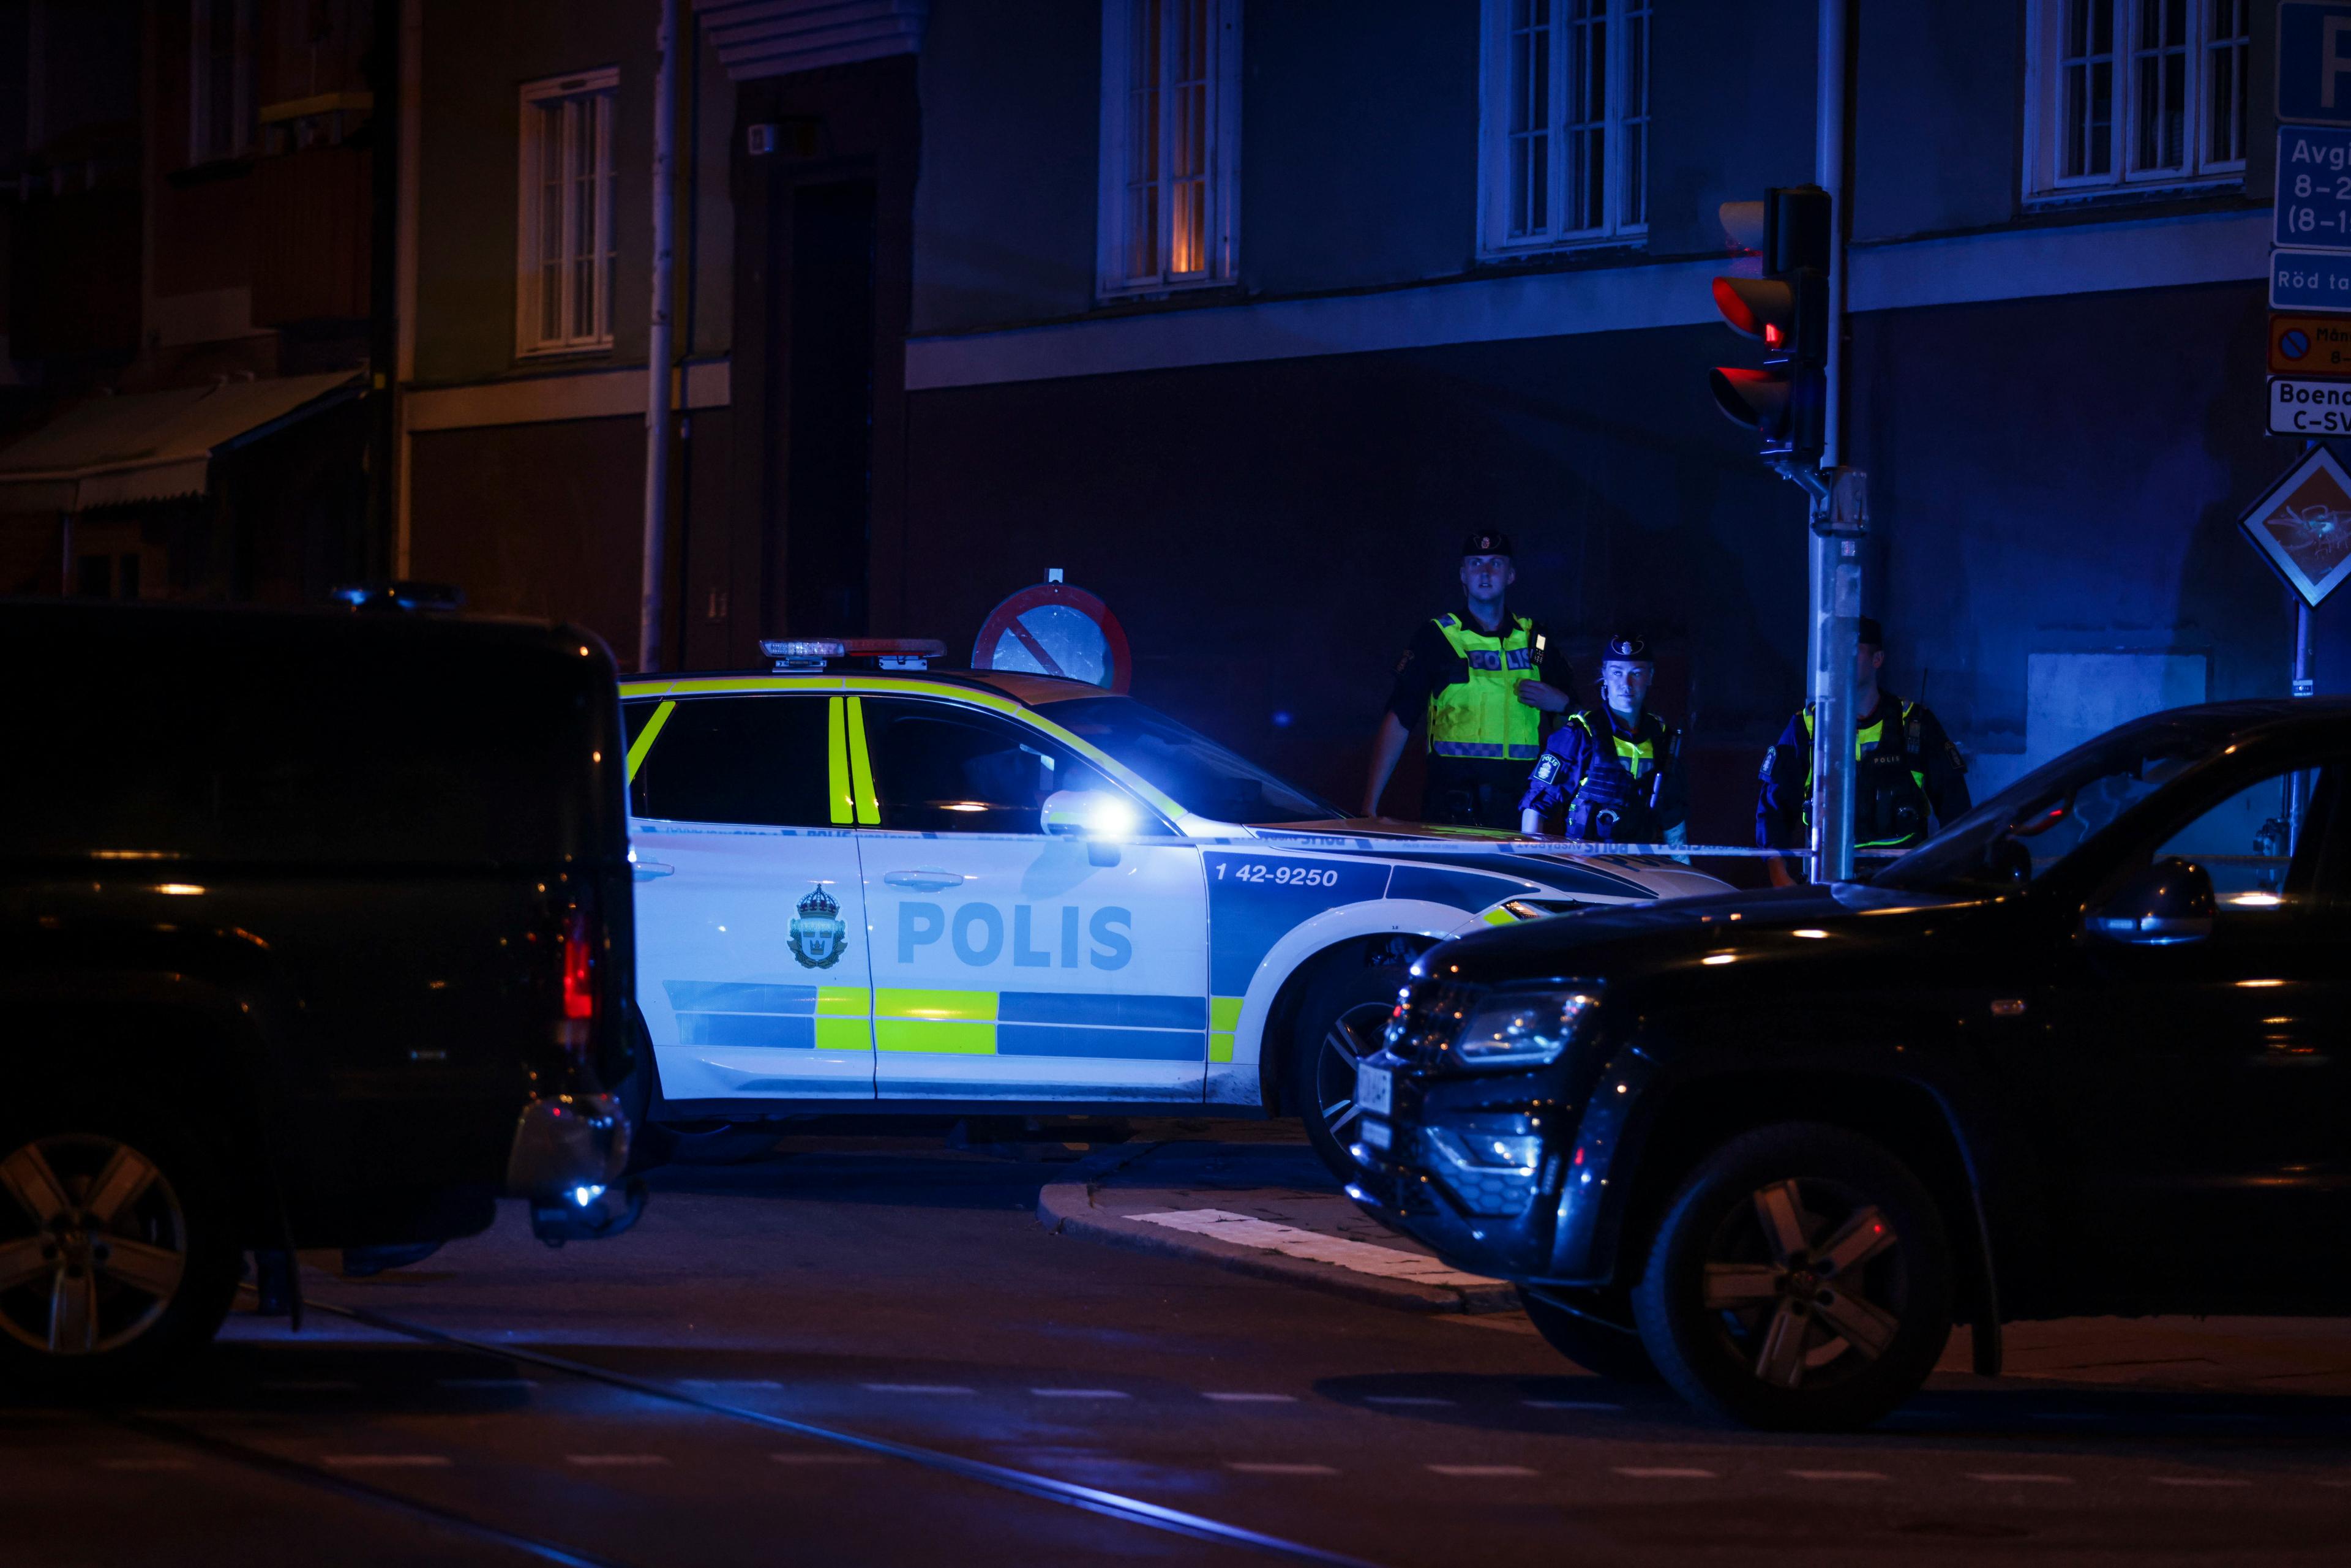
1567,122
564,293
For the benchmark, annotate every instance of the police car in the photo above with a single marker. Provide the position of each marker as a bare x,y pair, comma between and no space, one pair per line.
862,882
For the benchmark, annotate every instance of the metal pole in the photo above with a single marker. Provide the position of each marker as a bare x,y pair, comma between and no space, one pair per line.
1833,555
657,349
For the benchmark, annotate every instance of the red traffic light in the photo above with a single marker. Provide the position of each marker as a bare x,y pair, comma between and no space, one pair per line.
1757,398
1762,307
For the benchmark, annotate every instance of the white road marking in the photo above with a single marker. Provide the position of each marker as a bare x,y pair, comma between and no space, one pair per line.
1474,1471
614,1461
1569,1405
2002,1478
915,1388
2198,1481
1404,1399
1838,1475
489,1381
1663,1473
826,1458
388,1461
146,1464
1251,1468
1079,1392
1265,1235
1253,1398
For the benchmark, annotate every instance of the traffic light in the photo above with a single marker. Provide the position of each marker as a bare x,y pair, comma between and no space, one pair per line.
1787,310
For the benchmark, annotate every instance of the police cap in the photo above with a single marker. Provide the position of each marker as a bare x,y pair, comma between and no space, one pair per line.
1486,541
1870,634
1626,647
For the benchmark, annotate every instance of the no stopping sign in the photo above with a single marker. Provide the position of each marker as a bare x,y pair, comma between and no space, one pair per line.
1055,628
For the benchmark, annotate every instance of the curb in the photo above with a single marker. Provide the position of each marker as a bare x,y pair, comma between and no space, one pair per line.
1067,1206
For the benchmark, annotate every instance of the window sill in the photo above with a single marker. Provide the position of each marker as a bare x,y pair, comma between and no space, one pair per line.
1629,240
1144,293
2125,194
566,351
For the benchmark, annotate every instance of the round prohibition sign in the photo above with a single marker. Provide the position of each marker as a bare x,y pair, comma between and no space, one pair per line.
1055,628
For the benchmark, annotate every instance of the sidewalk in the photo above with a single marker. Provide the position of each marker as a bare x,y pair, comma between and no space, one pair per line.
1267,1207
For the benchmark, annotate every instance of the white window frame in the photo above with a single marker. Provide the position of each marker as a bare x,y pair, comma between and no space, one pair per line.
1221,173
597,92
1625,178
201,15
2046,123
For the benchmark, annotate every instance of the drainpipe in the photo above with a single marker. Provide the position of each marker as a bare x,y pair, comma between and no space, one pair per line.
1835,546
657,350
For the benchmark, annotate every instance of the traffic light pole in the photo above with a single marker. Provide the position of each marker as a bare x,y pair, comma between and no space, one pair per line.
1839,507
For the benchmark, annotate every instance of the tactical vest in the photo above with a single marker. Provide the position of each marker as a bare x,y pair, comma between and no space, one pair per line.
1482,716
1615,799
1889,796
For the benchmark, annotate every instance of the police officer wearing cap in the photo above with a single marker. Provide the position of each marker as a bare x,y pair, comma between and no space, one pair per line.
1908,767
1477,677
1613,770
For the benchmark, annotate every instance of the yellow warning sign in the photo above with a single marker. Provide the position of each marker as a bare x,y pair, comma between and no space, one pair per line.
2309,345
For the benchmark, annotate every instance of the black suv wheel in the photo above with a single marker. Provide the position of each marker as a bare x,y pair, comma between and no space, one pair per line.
117,1259
1800,1281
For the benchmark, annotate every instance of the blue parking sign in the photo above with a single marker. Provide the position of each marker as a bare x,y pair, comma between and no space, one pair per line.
2314,61
2313,187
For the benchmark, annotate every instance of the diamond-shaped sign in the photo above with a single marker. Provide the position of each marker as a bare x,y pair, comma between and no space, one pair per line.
2302,525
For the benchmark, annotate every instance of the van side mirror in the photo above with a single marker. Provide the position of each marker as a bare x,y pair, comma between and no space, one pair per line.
2169,901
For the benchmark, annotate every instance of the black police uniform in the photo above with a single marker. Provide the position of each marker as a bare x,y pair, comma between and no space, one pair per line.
1612,783
1908,767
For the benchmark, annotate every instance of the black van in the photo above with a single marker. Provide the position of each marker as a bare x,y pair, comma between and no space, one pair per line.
314,933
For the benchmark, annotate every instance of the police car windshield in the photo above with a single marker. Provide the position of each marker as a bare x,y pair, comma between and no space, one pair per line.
1195,771
2043,817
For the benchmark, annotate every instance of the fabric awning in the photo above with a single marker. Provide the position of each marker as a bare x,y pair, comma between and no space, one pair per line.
153,446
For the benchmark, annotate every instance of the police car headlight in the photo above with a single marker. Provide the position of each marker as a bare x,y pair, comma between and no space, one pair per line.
1523,1029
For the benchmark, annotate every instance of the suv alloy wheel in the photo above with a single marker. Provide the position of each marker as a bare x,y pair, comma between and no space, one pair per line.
1343,1019
1801,1281
115,1258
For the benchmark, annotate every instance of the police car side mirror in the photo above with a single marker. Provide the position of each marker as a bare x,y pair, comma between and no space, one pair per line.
1088,814
2170,901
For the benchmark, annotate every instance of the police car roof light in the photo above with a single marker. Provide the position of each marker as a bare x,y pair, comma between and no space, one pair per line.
802,654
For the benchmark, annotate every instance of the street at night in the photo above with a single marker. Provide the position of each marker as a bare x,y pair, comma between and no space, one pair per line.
811,1357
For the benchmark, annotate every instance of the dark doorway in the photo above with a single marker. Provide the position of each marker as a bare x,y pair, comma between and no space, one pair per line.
829,433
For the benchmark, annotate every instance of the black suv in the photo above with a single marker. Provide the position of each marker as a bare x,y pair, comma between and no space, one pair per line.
314,933
2088,1051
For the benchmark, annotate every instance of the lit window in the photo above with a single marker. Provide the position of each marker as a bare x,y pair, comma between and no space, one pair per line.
220,79
1169,128
1566,122
564,283
2137,93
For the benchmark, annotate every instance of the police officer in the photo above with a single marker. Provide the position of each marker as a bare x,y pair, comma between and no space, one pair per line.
1910,768
1477,675
1615,768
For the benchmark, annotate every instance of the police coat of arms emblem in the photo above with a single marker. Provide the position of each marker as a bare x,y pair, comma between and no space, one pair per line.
819,937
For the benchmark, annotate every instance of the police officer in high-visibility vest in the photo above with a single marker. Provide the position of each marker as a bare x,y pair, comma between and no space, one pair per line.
1477,675
1613,772
1909,770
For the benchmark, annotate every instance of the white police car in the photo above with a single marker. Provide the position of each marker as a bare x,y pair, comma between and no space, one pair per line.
864,885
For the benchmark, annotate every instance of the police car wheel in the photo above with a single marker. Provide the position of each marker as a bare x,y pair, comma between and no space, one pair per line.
1801,1281
717,1143
1344,1019
118,1255
1581,1329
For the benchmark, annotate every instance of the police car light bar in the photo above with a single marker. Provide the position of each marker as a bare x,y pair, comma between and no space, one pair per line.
887,653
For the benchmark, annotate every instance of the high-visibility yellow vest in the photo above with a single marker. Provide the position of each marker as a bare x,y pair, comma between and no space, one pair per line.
1882,824
1482,716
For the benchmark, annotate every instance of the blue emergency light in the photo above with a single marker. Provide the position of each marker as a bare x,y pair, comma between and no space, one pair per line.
802,655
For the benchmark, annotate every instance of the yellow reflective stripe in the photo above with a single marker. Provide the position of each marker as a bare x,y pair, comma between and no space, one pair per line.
1224,1013
843,1000
971,1006
860,769
935,1037
996,702
844,1034
1499,916
644,741
704,684
836,763
1220,1048
631,690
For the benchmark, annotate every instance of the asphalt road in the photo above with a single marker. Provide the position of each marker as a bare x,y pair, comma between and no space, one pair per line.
872,1353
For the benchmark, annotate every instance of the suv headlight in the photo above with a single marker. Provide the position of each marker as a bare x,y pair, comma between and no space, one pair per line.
1523,1029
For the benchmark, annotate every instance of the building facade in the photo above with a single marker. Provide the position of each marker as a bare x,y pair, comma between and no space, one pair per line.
1243,314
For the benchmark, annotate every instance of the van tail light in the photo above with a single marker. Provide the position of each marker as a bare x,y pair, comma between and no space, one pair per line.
579,980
